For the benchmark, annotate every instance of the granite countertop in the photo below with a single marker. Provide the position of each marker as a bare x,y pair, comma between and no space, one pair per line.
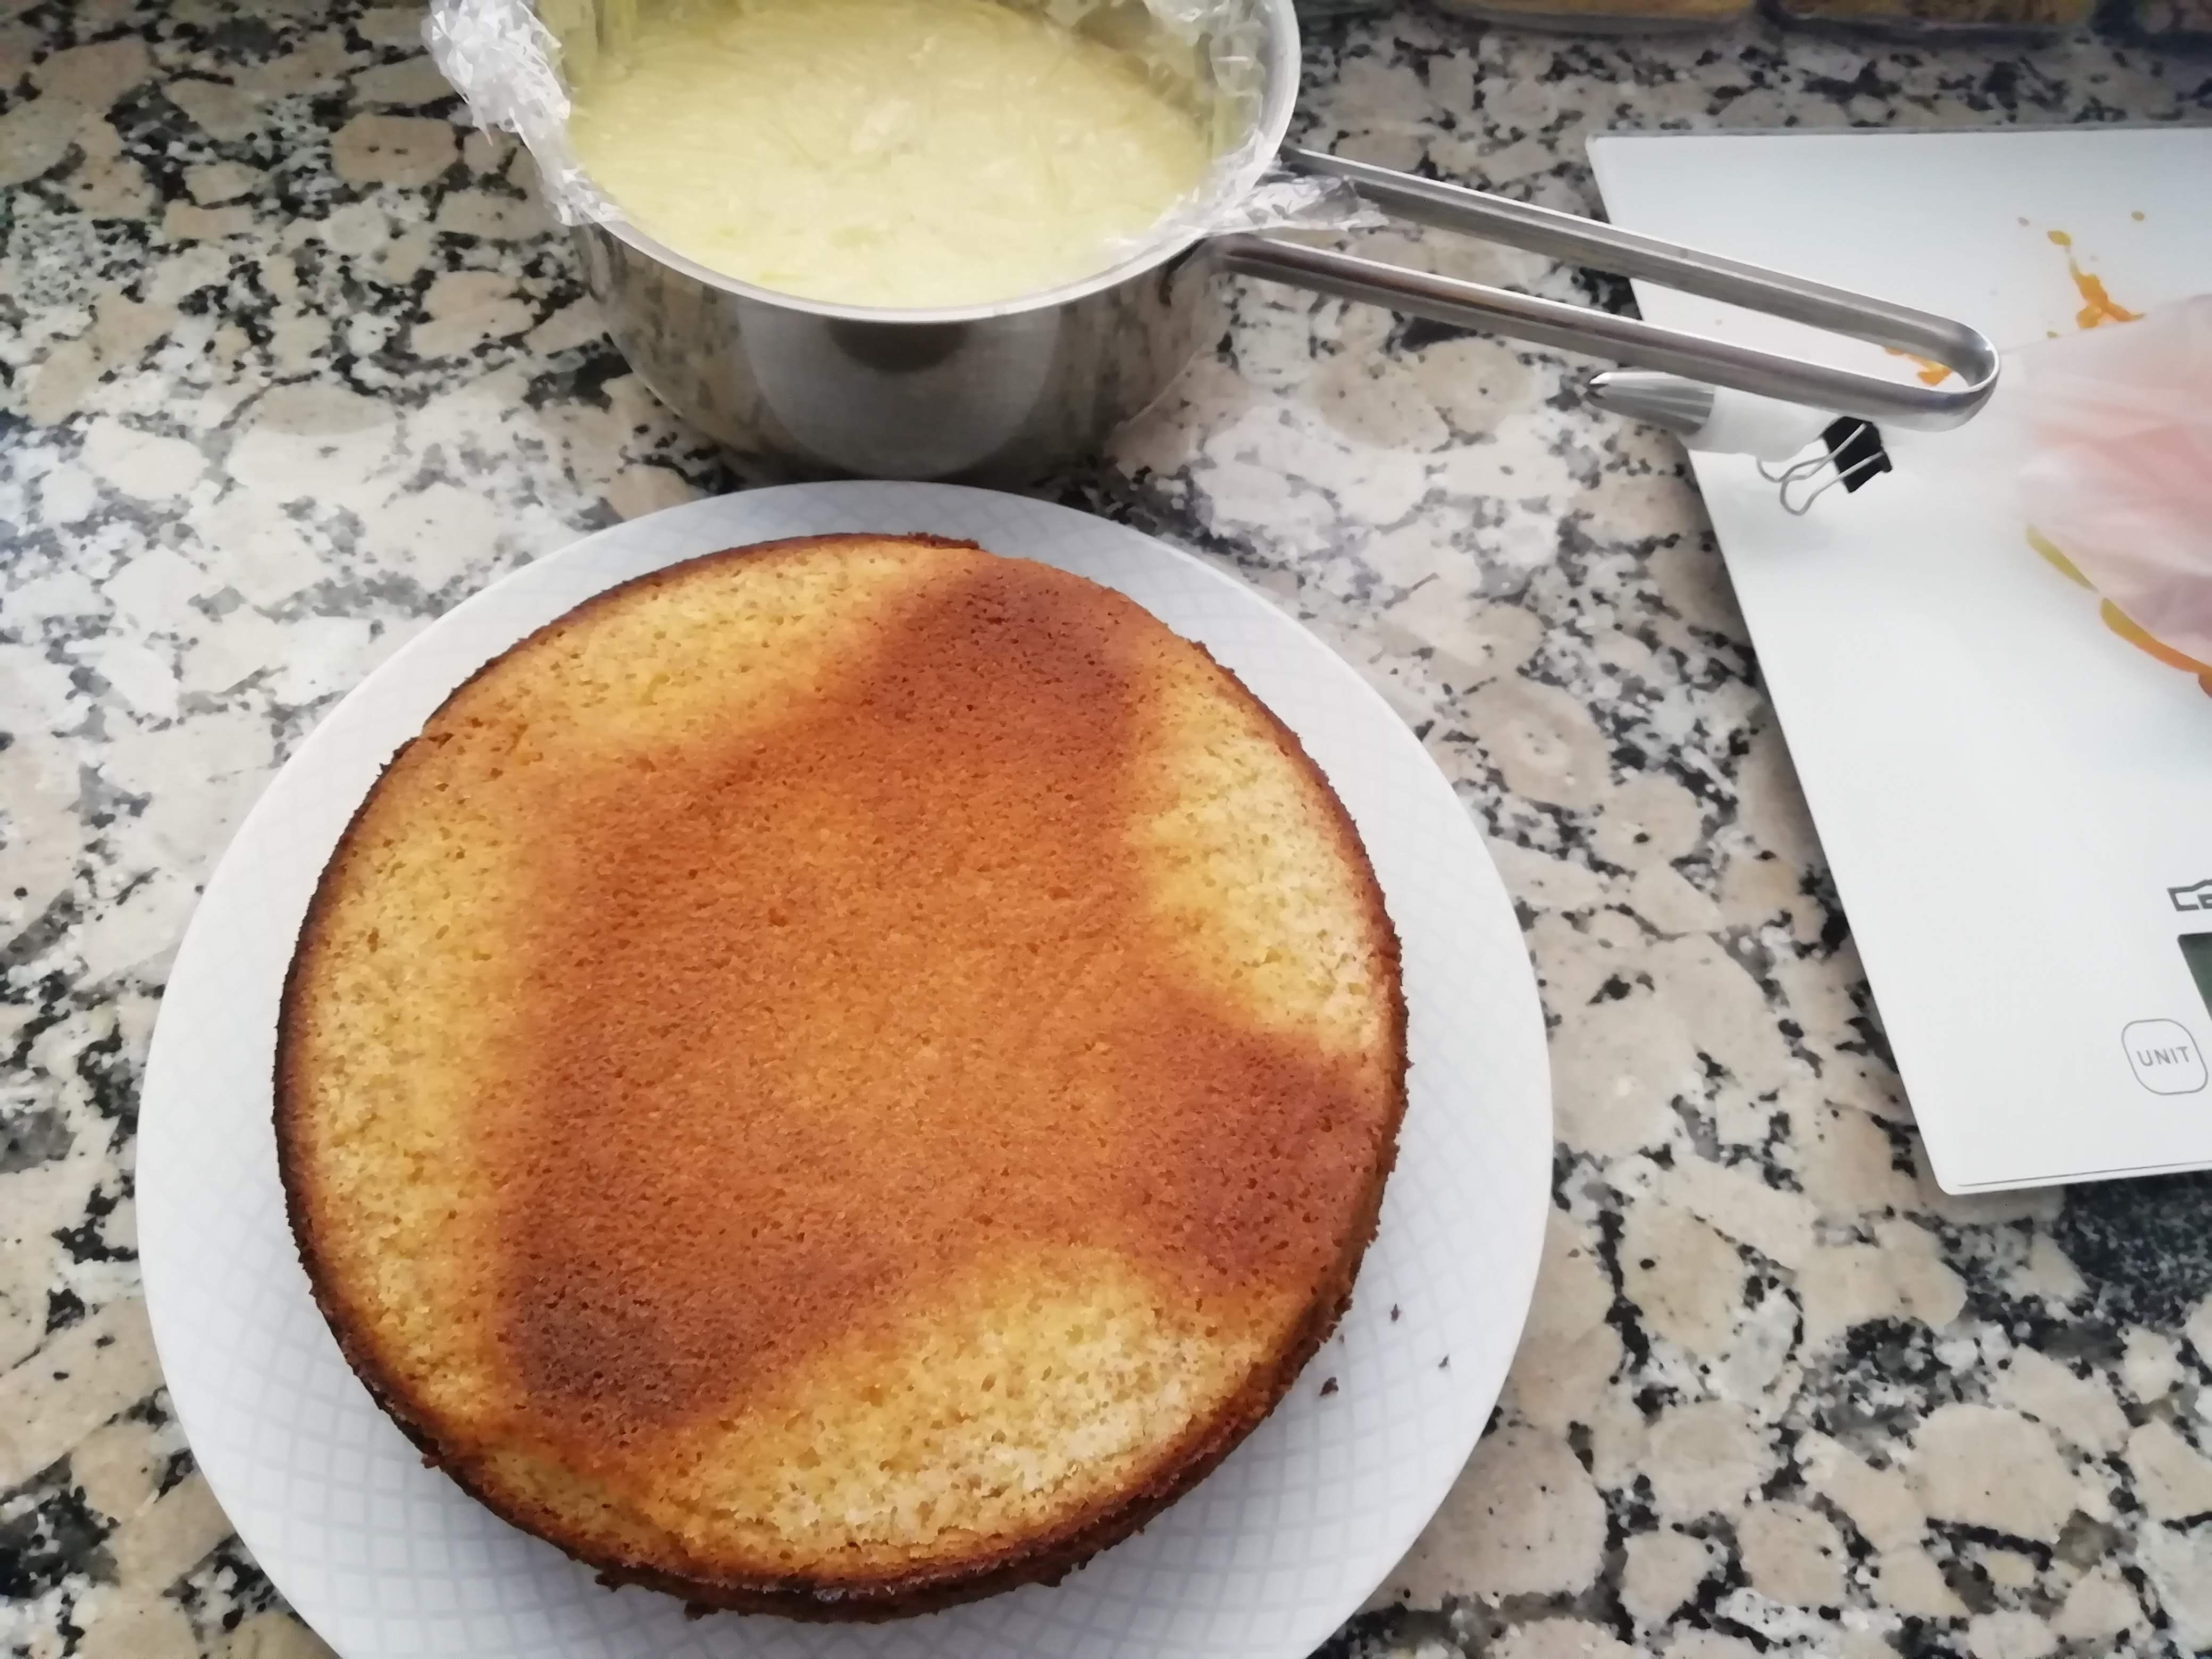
293,361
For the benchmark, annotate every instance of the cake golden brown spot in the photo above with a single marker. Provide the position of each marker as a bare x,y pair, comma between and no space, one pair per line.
841,1076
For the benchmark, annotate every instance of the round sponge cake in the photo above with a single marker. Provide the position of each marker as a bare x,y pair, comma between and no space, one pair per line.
840,1075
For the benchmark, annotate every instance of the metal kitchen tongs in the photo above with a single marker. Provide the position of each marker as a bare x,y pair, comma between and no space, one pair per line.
1625,340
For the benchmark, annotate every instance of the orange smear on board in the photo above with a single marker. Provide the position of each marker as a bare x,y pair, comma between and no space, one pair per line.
2119,622
2058,560
1929,372
2098,307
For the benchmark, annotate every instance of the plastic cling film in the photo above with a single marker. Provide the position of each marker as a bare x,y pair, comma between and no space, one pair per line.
506,65
540,71
1245,190
1278,199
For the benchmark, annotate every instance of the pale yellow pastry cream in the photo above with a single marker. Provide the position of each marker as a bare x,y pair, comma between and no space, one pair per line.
909,153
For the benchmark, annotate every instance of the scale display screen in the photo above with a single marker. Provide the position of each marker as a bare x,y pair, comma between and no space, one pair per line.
2196,952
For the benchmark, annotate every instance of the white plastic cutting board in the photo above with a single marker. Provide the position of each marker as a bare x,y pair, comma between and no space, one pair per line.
2015,803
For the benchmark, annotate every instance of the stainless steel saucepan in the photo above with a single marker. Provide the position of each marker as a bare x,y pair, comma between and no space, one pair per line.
1006,391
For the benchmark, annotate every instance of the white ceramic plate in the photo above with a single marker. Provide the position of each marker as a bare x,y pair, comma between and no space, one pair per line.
388,1560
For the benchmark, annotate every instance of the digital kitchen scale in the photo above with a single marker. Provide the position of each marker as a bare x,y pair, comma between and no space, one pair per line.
2016,802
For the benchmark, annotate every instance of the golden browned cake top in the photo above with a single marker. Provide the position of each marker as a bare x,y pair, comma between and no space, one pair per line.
803,962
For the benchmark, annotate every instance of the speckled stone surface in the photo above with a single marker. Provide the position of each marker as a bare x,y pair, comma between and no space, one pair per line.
291,362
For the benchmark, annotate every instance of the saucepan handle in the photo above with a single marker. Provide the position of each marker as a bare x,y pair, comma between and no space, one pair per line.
1625,339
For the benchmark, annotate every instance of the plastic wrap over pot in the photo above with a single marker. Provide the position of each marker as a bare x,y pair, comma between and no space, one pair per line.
516,65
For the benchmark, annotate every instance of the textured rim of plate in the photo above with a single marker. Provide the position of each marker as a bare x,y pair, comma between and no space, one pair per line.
1263,1560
